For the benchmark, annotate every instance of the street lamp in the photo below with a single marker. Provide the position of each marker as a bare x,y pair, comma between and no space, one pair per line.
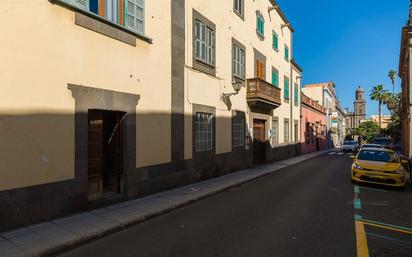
237,85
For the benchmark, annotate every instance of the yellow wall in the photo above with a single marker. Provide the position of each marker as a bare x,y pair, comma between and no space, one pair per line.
42,50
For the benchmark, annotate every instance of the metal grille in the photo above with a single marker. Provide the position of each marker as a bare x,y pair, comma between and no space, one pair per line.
203,129
275,131
238,130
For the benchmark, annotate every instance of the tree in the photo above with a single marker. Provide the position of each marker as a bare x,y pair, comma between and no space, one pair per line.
368,130
392,76
378,94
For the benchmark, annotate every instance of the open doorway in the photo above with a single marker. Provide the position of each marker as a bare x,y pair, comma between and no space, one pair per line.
105,153
258,141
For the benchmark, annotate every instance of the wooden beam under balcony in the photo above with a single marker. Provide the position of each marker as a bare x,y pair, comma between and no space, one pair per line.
262,94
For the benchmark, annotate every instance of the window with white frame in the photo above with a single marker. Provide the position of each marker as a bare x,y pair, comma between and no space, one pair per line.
238,62
275,130
238,6
126,13
238,130
204,43
203,131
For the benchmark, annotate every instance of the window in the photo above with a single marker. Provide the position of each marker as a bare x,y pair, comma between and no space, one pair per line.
204,43
296,125
203,129
296,94
308,132
238,62
126,13
275,130
238,6
260,25
286,131
286,88
275,77
238,130
286,53
275,41
260,69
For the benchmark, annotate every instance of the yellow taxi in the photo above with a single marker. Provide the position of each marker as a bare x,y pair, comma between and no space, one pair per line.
378,166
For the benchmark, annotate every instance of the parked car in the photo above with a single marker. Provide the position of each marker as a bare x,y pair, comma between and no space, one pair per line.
370,146
379,166
350,146
384,142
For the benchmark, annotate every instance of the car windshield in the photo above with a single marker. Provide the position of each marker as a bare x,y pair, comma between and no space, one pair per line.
378,156
349,143
371,146
381,141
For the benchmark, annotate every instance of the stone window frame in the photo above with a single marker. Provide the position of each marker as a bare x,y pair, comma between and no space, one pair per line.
198,64
104,26
236,43
259,34
198,108
240,13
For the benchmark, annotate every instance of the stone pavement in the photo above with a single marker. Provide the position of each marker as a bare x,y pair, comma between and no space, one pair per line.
48,237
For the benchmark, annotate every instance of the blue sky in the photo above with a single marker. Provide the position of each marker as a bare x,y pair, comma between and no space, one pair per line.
351,42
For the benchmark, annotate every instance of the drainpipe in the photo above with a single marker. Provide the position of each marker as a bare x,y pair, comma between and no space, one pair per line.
291,88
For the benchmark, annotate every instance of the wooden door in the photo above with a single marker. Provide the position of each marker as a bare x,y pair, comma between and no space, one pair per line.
95,155
258,141
113,158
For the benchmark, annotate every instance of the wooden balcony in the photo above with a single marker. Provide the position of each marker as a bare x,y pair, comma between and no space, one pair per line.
262,94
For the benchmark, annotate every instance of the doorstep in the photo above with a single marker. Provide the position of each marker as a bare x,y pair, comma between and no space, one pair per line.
64,233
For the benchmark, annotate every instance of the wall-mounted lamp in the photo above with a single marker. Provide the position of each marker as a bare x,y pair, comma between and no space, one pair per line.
236,86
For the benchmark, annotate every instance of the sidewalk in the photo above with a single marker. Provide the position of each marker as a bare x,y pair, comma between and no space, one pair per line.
60,234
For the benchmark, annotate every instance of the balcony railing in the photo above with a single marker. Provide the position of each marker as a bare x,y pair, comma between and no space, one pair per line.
312,103
260,92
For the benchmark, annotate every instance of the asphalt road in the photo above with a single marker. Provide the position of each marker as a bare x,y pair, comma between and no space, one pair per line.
301,211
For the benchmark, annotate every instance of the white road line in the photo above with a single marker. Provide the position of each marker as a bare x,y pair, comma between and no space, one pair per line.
331,153
340,153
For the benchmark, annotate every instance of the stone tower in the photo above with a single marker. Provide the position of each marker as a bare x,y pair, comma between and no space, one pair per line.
360,107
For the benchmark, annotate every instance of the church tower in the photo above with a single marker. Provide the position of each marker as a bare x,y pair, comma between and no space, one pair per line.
360,106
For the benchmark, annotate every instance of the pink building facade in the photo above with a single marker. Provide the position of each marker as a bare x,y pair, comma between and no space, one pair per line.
313,124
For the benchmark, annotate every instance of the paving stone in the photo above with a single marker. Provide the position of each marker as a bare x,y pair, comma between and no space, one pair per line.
80,228
26,238
65,220
16,233
87,218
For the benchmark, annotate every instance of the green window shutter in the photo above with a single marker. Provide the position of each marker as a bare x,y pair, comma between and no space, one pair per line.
286,53
296,94
286,89
275,41
275,78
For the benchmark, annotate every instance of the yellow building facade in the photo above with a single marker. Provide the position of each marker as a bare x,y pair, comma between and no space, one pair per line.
106,100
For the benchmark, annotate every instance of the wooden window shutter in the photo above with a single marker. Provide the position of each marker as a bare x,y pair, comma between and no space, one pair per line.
83,4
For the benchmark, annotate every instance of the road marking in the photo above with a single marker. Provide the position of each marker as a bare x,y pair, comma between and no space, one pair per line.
396,228
340,153
397,241
357,204
331,153
373,189
361,242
